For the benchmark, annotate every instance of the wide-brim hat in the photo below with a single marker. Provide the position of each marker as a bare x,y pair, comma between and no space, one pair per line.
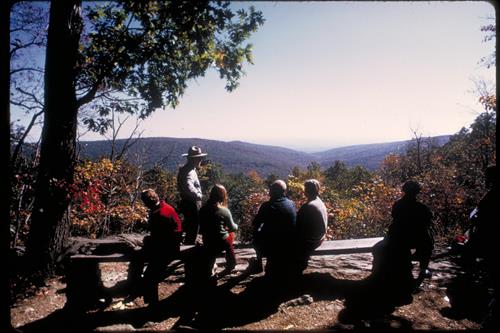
194,151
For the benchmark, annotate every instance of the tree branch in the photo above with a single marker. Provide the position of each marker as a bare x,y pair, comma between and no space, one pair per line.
164,159
117,99
21,104
22,69
89,96
32,96
15,154
129,144
23,46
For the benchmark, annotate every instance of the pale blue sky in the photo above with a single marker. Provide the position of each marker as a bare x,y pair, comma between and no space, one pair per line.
329,74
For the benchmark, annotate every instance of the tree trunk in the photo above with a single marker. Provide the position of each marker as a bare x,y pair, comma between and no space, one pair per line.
5,185
50,223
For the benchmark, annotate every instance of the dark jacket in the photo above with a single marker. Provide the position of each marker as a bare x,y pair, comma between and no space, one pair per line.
392,257
411,228
276,219
485,233
274,226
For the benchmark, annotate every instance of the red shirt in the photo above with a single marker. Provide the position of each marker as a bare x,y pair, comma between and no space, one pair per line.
164,223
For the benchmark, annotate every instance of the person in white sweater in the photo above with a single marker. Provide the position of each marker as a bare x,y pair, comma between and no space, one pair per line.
190,192
312,222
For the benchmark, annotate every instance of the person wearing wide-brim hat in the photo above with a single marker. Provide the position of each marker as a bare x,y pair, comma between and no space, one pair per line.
189,189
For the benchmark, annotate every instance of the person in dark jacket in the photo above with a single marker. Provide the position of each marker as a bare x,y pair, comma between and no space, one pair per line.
274,227
160,248
391,282
483,242
392,257
217,228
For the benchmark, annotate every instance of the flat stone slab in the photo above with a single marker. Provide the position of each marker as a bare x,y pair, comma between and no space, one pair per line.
347,246
343,246
333,247
114,257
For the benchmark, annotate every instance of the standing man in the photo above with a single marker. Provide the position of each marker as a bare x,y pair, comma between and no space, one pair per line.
160,248
312,222
189,189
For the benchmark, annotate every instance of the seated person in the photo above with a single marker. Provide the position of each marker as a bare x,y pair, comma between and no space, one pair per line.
312,221
392,257
160,248
217,228
482,243
274,227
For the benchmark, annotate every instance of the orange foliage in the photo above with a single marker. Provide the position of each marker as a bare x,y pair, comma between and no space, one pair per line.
366,214
101,200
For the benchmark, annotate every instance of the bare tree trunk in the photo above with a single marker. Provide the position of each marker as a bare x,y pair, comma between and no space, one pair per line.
19,219
5,185
418,141
21,222
50,222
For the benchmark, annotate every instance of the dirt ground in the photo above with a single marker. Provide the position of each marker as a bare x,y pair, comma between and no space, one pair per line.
244,302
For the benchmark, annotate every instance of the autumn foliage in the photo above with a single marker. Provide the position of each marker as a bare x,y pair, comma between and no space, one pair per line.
105,193
104,199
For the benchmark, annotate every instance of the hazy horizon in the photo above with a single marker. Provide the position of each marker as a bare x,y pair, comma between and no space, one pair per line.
302,148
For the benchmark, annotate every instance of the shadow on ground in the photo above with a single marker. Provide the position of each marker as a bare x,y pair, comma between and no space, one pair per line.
217,307
469,299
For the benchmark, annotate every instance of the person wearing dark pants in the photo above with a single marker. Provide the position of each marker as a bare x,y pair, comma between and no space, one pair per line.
391,282
190,192
160,248
483,243
191,220
274,228
312,222
411,229
217,229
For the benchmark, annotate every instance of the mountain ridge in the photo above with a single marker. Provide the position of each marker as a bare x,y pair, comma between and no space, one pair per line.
240,156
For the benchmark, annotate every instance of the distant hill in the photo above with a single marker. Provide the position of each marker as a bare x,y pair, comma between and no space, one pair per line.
234,156
370,155
237,156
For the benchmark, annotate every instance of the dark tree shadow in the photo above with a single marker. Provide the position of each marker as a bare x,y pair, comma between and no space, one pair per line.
262,296
204,306
386,323
370,303
469,298
364,301
210,307
468,291
181,303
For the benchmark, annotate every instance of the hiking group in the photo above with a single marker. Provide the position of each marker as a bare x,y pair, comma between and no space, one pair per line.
286,238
